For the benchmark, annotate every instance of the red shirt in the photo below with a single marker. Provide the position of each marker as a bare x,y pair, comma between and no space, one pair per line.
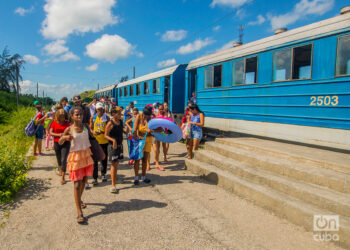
58,129
39,116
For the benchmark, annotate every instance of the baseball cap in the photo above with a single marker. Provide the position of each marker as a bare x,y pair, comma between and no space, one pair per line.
36,102
99,105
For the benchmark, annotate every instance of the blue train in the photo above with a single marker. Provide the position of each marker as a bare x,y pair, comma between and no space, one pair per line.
163,86
294,85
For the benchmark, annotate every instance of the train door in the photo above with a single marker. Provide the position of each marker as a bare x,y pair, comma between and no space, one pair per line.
192,75
166,89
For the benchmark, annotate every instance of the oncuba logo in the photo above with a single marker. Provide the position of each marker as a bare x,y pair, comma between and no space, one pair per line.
323,224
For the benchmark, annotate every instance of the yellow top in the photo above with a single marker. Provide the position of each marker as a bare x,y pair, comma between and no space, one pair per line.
100,127
148,144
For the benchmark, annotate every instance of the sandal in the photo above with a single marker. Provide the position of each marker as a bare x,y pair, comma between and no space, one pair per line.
63,182
80,219
113,189
160,168
83,205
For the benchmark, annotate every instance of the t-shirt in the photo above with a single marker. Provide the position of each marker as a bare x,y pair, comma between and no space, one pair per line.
39,116
100,126
67,108
58,129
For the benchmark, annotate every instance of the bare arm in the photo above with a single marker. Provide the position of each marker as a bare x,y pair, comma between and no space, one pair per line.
108,130
136,125
67,135
201,121
127,123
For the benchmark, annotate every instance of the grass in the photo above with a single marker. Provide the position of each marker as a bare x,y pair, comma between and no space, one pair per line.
14,146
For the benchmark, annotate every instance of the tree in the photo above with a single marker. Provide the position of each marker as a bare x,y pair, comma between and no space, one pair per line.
124,78
10,66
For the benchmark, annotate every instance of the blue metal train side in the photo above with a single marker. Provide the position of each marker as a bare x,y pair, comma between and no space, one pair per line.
289,102
176,92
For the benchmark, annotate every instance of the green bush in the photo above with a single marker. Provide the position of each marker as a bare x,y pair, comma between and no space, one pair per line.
14,146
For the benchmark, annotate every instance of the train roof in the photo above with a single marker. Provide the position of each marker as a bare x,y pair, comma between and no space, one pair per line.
105,89
323,28
163,72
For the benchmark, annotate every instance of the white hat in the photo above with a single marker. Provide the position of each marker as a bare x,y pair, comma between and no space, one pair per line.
99,105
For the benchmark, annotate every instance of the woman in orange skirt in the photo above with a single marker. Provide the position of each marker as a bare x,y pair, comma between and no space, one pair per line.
80,163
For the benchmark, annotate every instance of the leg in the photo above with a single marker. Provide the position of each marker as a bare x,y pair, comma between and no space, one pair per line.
114,169
35,145
144,167
64,153
105,161
82,187
47,139
77,196
95,174
165,150
136,169
58,152
189,143
149,162
156,158
196,144
40,142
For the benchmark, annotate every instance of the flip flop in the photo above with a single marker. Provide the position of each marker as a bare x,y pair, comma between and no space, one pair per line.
83,205
160,168
80,219
113,189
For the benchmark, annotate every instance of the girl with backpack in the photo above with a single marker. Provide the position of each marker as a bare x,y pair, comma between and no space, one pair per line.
39,135
80,163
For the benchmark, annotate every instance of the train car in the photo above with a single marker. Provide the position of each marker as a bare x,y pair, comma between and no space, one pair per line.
294,85
166,85
109,91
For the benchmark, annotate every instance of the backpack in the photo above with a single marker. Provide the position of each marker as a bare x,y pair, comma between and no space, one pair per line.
31,128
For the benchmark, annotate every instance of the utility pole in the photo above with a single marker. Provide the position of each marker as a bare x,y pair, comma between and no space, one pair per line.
37,90
98,86
133,73
17,73
240,30
43,97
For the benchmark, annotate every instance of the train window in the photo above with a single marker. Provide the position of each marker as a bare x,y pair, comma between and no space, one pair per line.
302,62
145,88
138,89
125,91
156,86
120,92
213,76
282,65
246,71
131,90
343,56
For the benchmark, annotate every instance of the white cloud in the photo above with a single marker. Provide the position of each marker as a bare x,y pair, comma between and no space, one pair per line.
68,56
22,12
174,35
217,28
229,3
55,48
110,48
64,17
31,59
195,46
56,91
166,63
92,67
301,10
226,45
259,21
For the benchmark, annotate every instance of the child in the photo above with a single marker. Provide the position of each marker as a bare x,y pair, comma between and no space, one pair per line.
114,133
39,135
135,112
196,119
80,163
48,123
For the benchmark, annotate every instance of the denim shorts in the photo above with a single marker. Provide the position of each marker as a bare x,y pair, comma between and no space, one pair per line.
40,132
195,134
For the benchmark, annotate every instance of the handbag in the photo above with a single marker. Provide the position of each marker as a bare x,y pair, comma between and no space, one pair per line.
96,149
186,131
136,147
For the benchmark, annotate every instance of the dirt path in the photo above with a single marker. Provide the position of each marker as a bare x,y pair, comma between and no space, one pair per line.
178,211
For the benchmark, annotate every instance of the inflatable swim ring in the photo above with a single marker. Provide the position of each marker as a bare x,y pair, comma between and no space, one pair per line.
171,134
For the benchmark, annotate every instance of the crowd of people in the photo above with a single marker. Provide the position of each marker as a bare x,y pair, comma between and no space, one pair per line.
89,134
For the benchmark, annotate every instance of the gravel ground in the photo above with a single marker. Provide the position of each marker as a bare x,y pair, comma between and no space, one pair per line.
176,211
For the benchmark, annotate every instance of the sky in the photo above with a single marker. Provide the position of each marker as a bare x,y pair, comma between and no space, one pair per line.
75,45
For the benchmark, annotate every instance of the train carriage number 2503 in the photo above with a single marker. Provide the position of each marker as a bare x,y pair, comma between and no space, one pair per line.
324,100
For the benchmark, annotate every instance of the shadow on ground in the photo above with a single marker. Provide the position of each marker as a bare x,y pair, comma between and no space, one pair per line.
122,206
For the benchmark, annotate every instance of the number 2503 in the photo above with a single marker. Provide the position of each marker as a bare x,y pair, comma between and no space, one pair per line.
324,100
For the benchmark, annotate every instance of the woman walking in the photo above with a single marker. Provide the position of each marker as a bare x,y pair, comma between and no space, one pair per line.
57,129
98,125
167,114
39,135
114,133
80,163
140,131
196,119
156,143
48,123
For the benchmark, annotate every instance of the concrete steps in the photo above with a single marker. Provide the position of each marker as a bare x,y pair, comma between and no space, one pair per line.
288,167
293,186
318,157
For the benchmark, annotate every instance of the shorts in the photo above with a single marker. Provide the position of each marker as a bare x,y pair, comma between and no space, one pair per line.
195,134
116,154
148,144
39,135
